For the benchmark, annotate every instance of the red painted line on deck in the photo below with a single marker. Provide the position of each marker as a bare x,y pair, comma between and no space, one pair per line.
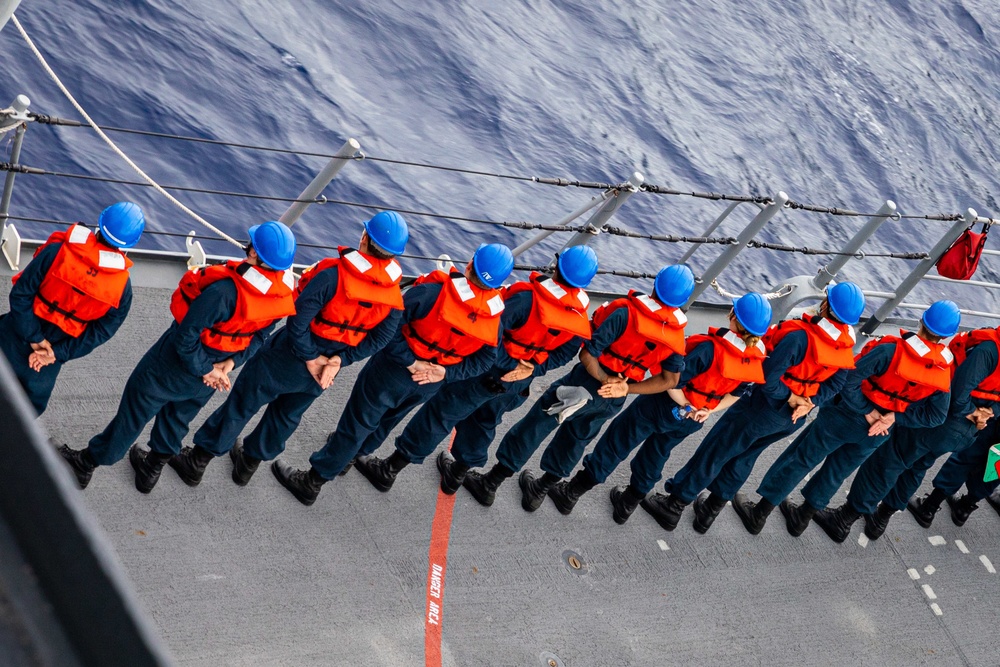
437,562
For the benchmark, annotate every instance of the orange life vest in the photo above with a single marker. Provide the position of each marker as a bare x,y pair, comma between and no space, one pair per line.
463,319
653,333
263,296
367,291
830,348
989,388
558,313
918,369
86,279
733,363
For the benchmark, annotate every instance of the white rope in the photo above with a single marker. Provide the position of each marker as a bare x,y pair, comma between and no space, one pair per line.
107,140
781,291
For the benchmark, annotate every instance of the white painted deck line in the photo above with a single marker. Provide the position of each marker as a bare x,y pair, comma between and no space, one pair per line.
663,545
961,546
930,569
937,540
913,573
929,592
863,541
936,608
988,564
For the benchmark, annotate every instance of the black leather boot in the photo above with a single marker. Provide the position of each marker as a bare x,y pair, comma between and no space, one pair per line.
147,465
80,462
961,508
752,514
624,500
452,472
706,509
244,465
797,517
837,523
665,509
875,523
566,494
381,472
190,464
484,487
305,485
533,490
924,509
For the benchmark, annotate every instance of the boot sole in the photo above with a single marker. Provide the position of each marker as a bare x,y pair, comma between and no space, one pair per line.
370,476
829,531
952,505
870,530
291,489
619,515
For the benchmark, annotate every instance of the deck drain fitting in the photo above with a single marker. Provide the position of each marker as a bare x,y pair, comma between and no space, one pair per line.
551,660
574,562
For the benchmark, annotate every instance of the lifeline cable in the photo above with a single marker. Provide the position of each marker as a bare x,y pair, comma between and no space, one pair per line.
109,142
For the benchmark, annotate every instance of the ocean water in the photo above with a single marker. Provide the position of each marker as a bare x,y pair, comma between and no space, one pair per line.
836,103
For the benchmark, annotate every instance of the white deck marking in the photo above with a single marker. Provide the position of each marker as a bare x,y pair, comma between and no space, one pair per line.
808,475
913,573
929,592
863,540
663,545
988,564
937,540
209,577
936,608
930,569
961,546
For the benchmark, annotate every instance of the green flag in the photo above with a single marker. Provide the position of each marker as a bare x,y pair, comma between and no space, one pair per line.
993,465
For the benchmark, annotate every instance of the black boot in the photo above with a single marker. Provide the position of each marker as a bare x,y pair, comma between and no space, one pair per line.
452,472
752,514
706,508
566,494
624,500
484,487
797,517
80,462
923,509
961,508
665,509
305,485
533,490
837,523
244,465
190,464
381,472
876,523
147,465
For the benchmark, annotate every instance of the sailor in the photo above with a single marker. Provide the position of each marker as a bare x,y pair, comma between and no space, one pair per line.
448,332
71,298
806,367
894,472
900,380
222,314
717,369
632,336
346,309
544,321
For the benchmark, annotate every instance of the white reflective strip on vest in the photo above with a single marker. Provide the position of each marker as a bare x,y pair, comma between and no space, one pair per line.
917,345
830,329
760,346
582,297
288,277
355,258
649,303
462,286
393,270
495,304
257,279
735,341
948,356
680,316
852,334
553,288
79,234
110,260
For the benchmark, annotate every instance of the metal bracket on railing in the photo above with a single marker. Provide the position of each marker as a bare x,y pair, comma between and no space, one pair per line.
196,254
444,263
601,216
11,244
15,114
318,184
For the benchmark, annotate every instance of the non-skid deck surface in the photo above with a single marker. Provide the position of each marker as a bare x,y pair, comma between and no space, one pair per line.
248,576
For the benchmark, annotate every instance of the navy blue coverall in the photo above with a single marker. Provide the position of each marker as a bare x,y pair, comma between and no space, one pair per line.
726,456
967,466
384,392
277,376
474,407
649,420
167,383
576,432
896,469
839,434
21,327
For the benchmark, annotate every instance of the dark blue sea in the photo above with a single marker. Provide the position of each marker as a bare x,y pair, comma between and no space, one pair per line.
842,104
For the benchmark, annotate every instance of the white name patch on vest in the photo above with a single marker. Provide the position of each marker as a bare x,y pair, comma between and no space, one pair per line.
680,316
462,287
393,270
79,234
257,279
918,346
735,341
110,260
288,277
359,262
582,297
649,303
495,304
553,288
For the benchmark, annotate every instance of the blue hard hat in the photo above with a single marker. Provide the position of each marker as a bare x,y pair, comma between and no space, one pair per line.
274,243
121,224
578,265
388,231
673,285
493,263
753,312
846,302
942,318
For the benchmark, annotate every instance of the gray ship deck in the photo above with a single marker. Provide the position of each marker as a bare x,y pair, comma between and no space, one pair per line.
248,576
